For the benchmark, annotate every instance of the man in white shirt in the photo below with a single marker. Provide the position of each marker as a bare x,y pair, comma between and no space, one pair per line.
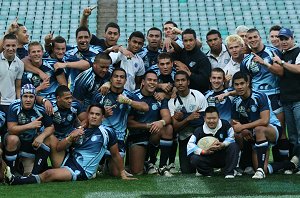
218,54
132,63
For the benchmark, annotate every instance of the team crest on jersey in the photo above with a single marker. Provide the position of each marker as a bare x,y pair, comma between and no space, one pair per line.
192,64
33,118
154,106
70,117
136,65
226,61
221,136
36,80
211,101
253,108
57,118
107,102
94,138
192,107
22,119
254,67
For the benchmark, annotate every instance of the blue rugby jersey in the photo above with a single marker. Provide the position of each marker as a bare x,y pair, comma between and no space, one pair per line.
224,107
22,52
118,121
48,68
21,116
262,79
248,110
73,54
64,120
87,84
2,119
149,57
96,142
150,116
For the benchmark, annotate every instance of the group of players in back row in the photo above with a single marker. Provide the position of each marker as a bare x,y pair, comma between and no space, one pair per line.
94,102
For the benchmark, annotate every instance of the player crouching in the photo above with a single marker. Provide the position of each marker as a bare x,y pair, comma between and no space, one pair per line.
221,154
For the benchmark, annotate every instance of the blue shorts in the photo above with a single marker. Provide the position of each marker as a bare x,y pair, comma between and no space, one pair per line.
74,168
275,103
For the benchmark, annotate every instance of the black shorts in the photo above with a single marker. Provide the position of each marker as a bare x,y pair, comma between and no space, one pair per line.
275,103
138,139
75,169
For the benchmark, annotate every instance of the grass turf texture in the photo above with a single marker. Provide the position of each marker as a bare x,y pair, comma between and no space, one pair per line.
157,186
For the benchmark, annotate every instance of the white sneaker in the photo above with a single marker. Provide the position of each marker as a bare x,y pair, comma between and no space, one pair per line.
8,175
198,174
249,170
165,172
259,174
229,177
238,172
151,169
295,161
172,168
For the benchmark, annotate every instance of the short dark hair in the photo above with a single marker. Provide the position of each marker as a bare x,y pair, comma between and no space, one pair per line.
10,36
156,29
82,29
252,30
60,90
171,22
211,109
218,69
137,34
164,55
182,73
275,28
102,55
119,69
96,105
210,32
240,75
112,25
189,31
59,39
149,72
34,43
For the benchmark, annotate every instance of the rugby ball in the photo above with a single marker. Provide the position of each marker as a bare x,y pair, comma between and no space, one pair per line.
206,142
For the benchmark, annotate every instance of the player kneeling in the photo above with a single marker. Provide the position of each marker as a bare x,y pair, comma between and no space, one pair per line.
221,154
83,161
153,127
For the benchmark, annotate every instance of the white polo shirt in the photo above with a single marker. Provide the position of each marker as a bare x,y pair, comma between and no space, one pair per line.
193,101
8,76
221,61
231,68
133,67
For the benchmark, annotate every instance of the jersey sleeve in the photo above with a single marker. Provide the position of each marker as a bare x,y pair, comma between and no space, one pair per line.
12,115
263,102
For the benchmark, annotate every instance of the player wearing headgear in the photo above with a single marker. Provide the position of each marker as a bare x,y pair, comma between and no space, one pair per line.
29,129
118,102
82,163
222,154
151,127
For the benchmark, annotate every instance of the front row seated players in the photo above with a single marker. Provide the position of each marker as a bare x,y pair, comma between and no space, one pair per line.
82,163
29,131
151,127
254,121
223,154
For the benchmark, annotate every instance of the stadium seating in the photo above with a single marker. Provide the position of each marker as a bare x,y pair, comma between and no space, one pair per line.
43,16
62,16
203,15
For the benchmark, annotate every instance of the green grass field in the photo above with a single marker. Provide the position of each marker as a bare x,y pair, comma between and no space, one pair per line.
157,186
